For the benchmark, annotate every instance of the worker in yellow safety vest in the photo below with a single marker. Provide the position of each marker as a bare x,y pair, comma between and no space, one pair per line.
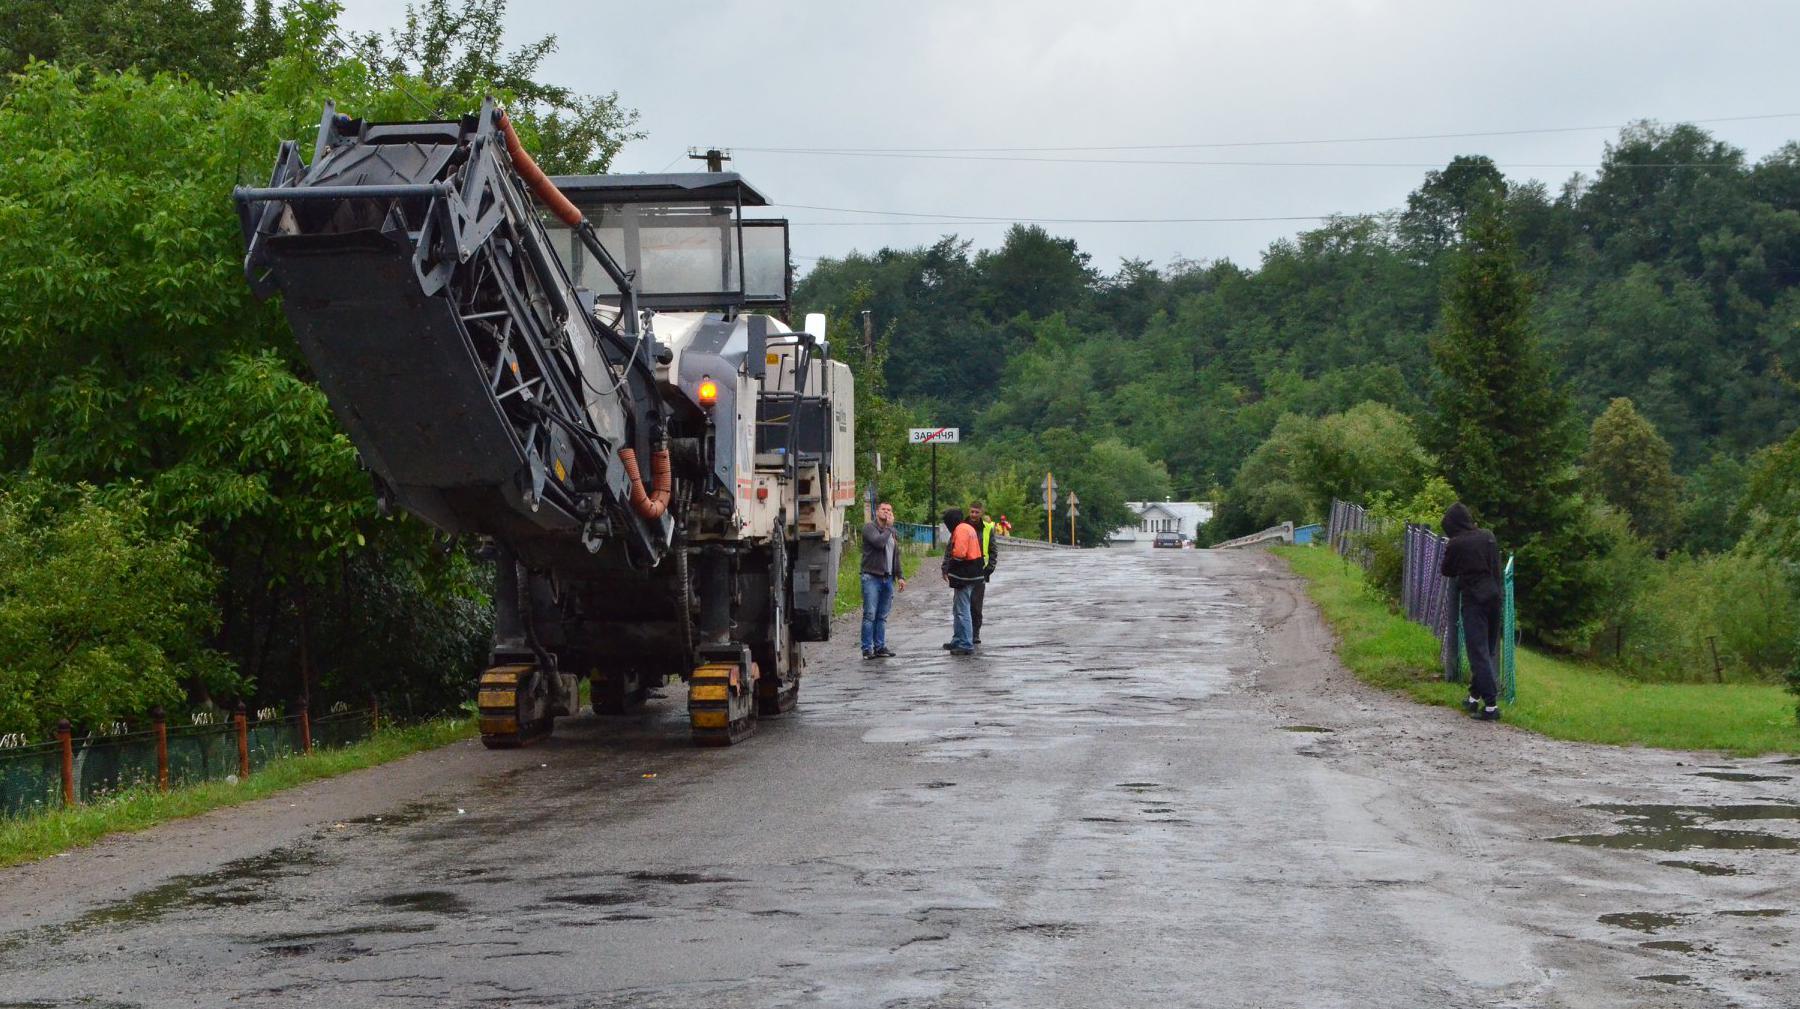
986,530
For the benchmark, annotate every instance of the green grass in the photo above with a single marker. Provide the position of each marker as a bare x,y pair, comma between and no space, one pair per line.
1557,697
30,838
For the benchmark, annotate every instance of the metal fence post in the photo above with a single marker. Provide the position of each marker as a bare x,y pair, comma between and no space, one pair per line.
64,735
243,741
160,725
305,726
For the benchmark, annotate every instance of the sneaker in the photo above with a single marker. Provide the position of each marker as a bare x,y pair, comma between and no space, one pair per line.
1471,704
1488,714
949,646
884,652
868,654
962,651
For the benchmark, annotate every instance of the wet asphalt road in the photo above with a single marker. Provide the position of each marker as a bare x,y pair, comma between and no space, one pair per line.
1107,807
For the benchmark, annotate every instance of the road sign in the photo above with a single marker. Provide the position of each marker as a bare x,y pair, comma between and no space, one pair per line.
934,435
1073,501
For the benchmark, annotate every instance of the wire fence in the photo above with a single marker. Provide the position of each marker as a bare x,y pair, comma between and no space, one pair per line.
92,767
1426,596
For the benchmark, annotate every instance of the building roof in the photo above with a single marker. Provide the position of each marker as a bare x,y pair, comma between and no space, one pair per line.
661,187
1197,511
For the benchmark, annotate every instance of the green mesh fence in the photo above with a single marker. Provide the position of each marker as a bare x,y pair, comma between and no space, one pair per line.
31,776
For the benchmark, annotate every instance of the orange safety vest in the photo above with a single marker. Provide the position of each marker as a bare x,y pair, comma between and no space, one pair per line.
964,545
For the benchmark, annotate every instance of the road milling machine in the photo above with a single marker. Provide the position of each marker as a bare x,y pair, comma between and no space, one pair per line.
593,376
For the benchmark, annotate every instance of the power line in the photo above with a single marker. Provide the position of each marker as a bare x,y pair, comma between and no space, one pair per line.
1239,143
1411,165
1005,219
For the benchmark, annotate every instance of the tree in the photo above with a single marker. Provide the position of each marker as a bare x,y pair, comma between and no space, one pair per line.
1627,465
101,613
1436,211
449,50
1502,428
211,42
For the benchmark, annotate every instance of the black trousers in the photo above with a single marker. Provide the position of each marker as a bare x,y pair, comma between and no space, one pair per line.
978,590
1481,641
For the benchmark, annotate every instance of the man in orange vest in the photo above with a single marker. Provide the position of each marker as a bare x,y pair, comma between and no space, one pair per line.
962,569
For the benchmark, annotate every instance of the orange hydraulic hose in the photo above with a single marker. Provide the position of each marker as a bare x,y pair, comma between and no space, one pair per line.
536,179
653,504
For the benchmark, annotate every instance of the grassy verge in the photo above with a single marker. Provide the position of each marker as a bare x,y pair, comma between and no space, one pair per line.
1557,697
30,838
849,583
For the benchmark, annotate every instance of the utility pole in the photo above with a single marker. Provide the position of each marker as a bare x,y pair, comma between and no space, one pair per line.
714,157
933,517
868,319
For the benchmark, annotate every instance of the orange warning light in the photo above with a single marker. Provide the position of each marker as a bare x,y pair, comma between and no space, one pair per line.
708,393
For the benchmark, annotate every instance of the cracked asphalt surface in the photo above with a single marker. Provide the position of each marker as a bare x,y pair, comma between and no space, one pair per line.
1155,786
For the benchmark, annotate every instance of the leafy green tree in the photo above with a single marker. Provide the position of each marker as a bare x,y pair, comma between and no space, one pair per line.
450,50
1627,465
153,367
1501,429
1435,212
218,43
102,613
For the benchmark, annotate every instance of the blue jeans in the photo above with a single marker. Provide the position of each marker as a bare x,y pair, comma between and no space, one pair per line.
962,619
878,598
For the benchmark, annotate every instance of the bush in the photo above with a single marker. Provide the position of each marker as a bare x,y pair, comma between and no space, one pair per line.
1741,603
100,616
1386,538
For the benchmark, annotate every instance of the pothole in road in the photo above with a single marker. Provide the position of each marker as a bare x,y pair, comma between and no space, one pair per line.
1758,912
406,815
1683,980
596,899
1675,946
1139,786
1740,776
1051,929
425,901
680,878
1643,921
1703,868
1656,827
1306,728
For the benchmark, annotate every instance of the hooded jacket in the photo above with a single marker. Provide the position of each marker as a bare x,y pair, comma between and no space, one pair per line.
962,557
1472,557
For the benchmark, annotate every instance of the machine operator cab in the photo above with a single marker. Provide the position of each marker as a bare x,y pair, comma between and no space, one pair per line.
718,287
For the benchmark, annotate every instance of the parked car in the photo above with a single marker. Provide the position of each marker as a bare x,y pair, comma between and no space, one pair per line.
1167,540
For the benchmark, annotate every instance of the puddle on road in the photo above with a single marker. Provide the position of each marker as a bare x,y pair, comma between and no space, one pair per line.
1759,912
1657,827
680,878
1643,921
1675,946
1306,728
1139,786
1703,868
1740,776
1674,979
1791,761
425,901
411,813
596,899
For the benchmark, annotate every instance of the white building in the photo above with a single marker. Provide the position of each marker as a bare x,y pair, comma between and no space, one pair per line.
1184,517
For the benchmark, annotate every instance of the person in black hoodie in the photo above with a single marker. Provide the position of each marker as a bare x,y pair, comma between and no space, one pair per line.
1472,561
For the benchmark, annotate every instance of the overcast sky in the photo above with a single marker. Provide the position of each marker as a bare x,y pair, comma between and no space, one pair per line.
924,74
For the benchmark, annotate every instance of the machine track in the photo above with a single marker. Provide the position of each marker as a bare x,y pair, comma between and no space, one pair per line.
722,703
506,708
